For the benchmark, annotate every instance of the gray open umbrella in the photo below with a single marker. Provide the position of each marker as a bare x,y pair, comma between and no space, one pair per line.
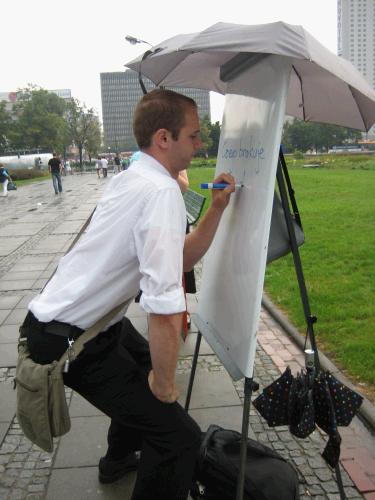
323,87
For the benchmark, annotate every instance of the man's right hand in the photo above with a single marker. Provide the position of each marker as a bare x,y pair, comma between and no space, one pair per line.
163,394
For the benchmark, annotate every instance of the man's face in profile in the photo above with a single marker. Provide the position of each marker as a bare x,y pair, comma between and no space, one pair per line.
188,142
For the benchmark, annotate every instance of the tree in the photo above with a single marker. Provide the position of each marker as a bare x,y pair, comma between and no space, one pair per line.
39,119
215,131
5,128
83,127
300,135
94,140
205,135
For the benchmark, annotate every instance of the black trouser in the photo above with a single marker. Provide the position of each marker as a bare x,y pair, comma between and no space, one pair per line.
111,373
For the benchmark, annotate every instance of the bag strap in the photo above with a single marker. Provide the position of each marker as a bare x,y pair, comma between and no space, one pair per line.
91,333
83,228
95,329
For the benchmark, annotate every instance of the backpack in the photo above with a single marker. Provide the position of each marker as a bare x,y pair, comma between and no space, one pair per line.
268,476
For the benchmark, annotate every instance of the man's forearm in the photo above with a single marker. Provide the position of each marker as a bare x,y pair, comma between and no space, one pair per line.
164,340
198,242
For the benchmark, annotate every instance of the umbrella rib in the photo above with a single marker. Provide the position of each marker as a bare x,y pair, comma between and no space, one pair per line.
303,100
359,109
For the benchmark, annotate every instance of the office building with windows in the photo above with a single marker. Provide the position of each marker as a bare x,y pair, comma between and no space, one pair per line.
120,93
356,36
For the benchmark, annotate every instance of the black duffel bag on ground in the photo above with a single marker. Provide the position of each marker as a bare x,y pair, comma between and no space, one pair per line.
267,477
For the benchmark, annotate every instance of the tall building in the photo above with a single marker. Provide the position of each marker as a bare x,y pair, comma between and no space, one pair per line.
356,38
356,35
120,93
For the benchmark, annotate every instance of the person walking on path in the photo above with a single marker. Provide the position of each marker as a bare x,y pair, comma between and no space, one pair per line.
104,163
4,179
135,240
98,166
55,168
117,167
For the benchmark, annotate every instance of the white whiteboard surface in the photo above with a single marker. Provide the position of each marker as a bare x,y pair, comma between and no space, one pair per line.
233,269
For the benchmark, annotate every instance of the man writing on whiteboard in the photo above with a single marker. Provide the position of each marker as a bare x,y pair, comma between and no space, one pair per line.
136,240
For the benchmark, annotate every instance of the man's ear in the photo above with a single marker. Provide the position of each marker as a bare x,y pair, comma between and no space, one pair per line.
162,138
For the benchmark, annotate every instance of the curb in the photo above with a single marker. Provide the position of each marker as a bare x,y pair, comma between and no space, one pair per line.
367,410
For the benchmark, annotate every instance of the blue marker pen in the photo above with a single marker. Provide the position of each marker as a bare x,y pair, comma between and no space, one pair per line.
212,185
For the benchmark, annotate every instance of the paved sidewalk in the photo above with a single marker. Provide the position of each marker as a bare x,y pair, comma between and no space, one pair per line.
36,228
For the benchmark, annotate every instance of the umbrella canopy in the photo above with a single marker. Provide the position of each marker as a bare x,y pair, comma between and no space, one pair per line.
323,87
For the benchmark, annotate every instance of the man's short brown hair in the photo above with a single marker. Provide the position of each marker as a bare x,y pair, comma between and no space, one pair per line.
158,109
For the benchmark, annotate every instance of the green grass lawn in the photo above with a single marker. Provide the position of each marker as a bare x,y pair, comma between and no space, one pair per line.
337,207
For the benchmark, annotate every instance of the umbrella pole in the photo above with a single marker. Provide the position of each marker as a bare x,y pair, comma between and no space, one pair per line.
282,177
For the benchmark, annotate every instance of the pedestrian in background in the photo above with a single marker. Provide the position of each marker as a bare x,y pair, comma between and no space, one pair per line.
117,164
55,168
98,166
4,179
125,163
104,163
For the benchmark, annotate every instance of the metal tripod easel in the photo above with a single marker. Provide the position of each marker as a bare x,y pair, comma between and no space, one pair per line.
287,196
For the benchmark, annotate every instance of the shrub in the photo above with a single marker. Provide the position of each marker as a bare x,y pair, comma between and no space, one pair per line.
21,174
298,155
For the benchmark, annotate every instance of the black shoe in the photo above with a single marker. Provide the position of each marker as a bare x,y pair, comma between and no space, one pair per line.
112,470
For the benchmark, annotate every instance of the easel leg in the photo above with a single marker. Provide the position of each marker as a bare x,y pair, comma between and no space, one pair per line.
248,389
310,320
193,369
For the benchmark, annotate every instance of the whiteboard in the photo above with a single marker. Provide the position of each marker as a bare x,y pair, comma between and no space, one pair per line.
233,269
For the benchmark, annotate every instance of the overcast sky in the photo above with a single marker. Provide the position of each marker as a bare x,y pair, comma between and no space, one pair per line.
67,44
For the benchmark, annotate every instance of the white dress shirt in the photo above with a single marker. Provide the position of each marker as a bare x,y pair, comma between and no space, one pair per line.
134,241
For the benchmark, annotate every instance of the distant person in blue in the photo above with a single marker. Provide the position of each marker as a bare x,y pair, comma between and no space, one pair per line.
125,162
135,156
4,179
55,168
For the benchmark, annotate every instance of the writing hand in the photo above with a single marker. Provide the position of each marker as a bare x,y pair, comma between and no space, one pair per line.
221,197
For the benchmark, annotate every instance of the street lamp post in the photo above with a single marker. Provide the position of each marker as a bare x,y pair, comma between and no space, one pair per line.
134,41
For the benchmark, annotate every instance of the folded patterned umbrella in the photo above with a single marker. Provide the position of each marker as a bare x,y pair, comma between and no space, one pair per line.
308,400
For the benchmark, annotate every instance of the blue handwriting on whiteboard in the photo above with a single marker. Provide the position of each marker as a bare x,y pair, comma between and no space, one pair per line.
253,152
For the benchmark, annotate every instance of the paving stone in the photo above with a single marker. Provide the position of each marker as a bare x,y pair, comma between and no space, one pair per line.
16,317
80,407
358,476
9,334
21,275
323,474
228,418
63,485
9,245
8,355
10,285
9,301
205,392
8,402
84,444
